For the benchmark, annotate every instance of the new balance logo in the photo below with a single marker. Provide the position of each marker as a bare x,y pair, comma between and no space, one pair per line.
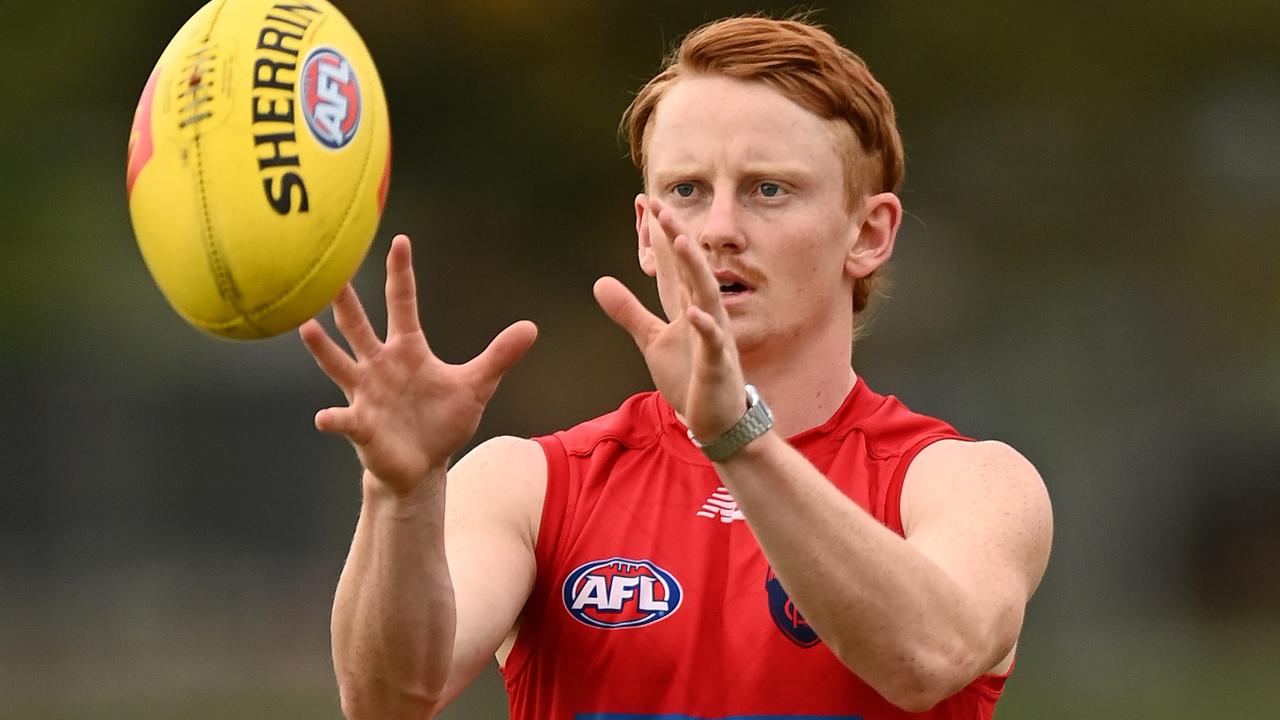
721,505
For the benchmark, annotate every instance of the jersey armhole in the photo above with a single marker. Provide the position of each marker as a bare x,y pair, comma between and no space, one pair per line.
891,510
992,686
554,503
550,526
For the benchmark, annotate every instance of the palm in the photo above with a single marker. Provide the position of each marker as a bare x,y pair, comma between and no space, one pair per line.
667,354
408,412
418,409
692,359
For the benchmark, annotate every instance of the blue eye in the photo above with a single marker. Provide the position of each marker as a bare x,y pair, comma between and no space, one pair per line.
770,189
684,190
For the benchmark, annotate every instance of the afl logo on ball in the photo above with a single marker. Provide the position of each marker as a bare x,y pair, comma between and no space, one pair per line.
330,97
620,592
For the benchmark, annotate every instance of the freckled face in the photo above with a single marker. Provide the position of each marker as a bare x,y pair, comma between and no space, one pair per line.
759,182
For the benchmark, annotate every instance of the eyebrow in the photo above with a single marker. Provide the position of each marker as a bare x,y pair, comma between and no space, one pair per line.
664,175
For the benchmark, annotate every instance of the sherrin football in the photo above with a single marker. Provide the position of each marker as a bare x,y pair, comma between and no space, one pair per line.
258,164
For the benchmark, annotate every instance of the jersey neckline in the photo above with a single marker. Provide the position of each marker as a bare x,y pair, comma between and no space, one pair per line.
859,403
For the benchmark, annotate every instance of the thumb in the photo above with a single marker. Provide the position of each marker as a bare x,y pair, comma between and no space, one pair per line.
342,421
621,305
502,354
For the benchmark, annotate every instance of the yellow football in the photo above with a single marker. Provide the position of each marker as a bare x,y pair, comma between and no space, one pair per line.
258,164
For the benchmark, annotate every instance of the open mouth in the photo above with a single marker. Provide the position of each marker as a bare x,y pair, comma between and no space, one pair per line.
731,283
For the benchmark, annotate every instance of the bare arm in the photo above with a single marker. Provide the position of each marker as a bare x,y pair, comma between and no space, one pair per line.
398,629
393,614
919,618
495,499
435,581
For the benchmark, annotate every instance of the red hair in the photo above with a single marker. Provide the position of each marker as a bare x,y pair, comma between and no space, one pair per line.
805,64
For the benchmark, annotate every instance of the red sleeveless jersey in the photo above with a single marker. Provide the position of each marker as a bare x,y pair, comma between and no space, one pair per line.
653,600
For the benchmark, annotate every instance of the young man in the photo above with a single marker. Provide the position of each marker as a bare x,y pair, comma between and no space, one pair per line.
763,536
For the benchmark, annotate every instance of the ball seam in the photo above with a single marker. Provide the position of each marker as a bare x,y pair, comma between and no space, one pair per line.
218,265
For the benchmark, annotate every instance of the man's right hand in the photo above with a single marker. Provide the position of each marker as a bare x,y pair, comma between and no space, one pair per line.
407,411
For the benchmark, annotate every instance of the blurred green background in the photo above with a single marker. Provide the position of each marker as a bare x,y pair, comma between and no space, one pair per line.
1088,271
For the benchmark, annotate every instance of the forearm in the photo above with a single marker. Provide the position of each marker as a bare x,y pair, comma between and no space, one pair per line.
890,614
393,615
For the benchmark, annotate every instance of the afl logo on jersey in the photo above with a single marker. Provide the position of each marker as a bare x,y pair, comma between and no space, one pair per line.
330,97
620,592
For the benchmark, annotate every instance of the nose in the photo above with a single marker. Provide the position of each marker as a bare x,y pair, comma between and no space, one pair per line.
722,229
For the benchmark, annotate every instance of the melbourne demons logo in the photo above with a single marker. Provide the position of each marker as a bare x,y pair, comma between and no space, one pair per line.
330,97
620,592
786,616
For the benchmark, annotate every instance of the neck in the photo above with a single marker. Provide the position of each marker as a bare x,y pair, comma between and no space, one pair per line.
804,380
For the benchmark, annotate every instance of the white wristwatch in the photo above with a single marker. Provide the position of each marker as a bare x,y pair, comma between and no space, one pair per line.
754,423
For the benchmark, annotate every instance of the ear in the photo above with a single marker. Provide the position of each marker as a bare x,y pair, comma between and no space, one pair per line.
648,263
877,229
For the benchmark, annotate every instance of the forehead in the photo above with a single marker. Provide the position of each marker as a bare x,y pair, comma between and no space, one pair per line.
711,118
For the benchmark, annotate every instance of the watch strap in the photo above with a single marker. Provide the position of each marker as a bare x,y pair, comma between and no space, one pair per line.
755,422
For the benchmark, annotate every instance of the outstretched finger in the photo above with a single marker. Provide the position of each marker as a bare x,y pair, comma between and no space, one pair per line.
402,293
502,354
712,336
667,221
335,362
665,217
621,305
691,266
696,275
349,316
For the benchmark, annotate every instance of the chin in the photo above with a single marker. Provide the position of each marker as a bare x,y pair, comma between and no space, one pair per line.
747,336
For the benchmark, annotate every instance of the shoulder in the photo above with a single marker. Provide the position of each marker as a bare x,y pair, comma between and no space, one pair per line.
502,481
981,466
987,471
637,422
980,488
502,455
